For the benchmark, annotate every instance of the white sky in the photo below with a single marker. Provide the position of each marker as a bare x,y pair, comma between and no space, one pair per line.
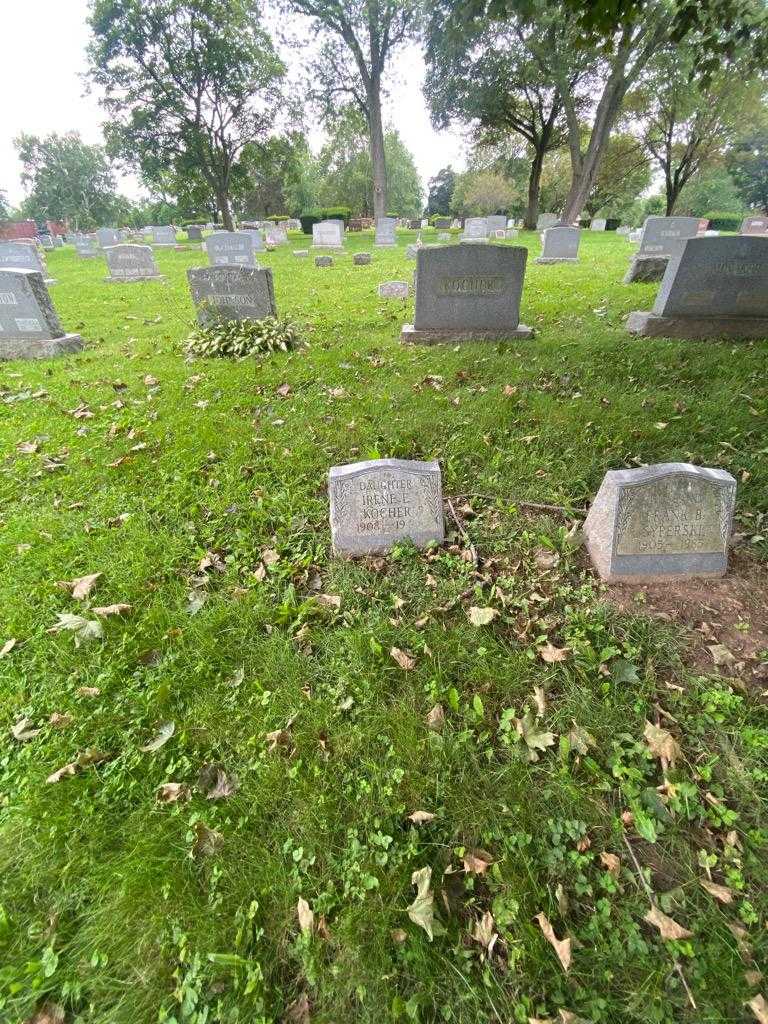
42,55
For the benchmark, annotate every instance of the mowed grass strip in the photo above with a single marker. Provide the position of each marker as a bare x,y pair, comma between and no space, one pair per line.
197,490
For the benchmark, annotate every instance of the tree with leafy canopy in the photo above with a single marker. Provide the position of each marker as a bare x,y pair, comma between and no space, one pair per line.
359,38
66,179
5,210
345,169
615,46
486,76
686,122
185,82
748,165
712,190
624,173
279,177
440,190
482,192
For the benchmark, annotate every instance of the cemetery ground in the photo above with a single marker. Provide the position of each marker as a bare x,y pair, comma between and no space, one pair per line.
252,782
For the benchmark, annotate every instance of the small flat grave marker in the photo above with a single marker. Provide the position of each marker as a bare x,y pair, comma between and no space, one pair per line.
230,248
715,287
467,293
131,263
381,502
301,252
232,293
29,326
361,259
661,522
323,261
394,290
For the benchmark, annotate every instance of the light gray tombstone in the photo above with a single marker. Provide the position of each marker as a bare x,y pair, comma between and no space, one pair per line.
443,236
131,263
424,223
232,293
511,233
394,290
164,236
85,247
276,234
194,233
662,238
467,293
455,223
662,522
230,248
107,236
58,242
29,326
496,223
21,256
546,220
623,229
475,230
323,261
361,259
47,243
636,236
561,245
715,287
301,252
411,251
257,238
328,234
597,224
385,231
292,224
754,226
382,502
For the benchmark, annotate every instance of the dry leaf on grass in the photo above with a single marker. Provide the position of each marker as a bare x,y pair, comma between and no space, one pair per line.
721,656
112,609
207,840
668,928
611,862
80,587
329,601
215,783
422,910
49,1013
535,738
436,718
662,744
561,946
545,558
421,817
484,931
551,654
759,1007
541,701
87,691
579,739
88,757
477,862
21,731
405,660
161,737
298,1011
720,892
482,616
172,793
306,916
82,628
7,647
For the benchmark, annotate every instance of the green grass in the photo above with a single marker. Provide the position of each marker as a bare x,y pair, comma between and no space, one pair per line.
104,909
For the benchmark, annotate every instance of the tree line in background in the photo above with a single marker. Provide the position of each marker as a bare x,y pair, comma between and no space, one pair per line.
568,106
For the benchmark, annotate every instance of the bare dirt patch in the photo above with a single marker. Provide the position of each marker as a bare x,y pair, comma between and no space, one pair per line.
729,615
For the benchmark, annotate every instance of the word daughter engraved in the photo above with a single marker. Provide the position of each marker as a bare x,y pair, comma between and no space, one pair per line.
661,522
377,503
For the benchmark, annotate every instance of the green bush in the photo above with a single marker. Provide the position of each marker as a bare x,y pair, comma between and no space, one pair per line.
241,338
719,221
395,215
194,221
440,216
310,217
277,217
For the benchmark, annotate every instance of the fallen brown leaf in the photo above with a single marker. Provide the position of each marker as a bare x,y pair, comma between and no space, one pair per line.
612,863
298,1011
662,744
306,916
172,793
214,783
759,1007
7,647
80,587
436,718
561,946
668,928
405,660
477,862
551,654
112,609
720,892
421,817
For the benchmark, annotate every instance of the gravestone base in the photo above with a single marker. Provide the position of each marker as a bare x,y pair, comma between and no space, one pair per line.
474,241
410,336
133,280
648,325
646,269
26,348
556,259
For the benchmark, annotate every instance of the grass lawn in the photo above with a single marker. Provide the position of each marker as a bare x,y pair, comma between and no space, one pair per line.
197,491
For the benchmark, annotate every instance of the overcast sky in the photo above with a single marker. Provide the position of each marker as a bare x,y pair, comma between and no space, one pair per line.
43,55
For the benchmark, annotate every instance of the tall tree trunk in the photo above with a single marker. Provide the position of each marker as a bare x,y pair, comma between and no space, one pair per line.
534,188
222,201
378,161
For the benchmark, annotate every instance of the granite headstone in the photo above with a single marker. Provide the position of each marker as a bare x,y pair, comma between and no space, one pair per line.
328,234
475,230
394,290
128,262
561,245
164,235
754,226
230,248
385,231
232,293
23,257
107,236
29,326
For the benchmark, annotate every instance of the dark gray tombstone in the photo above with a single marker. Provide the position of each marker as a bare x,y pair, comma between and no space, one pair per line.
232,293
29,326
394,290
164,236
361,259
23,256
546,220
754,226
496,223
561,245
467,293
475,230
328,234
661,522
194,233
715,287
382,502
384,234
230,248
107,236
131,263
323,261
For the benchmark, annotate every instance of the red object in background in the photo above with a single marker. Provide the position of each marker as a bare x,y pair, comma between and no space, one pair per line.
11,229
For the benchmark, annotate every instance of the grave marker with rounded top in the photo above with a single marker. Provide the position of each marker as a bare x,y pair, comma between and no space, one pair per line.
164,236
230,248
662,522
384,234
22,256
382,502
561,245
715,287
231,293
597,224
468,293
85,247
29,326
328,234
127,262
194,233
